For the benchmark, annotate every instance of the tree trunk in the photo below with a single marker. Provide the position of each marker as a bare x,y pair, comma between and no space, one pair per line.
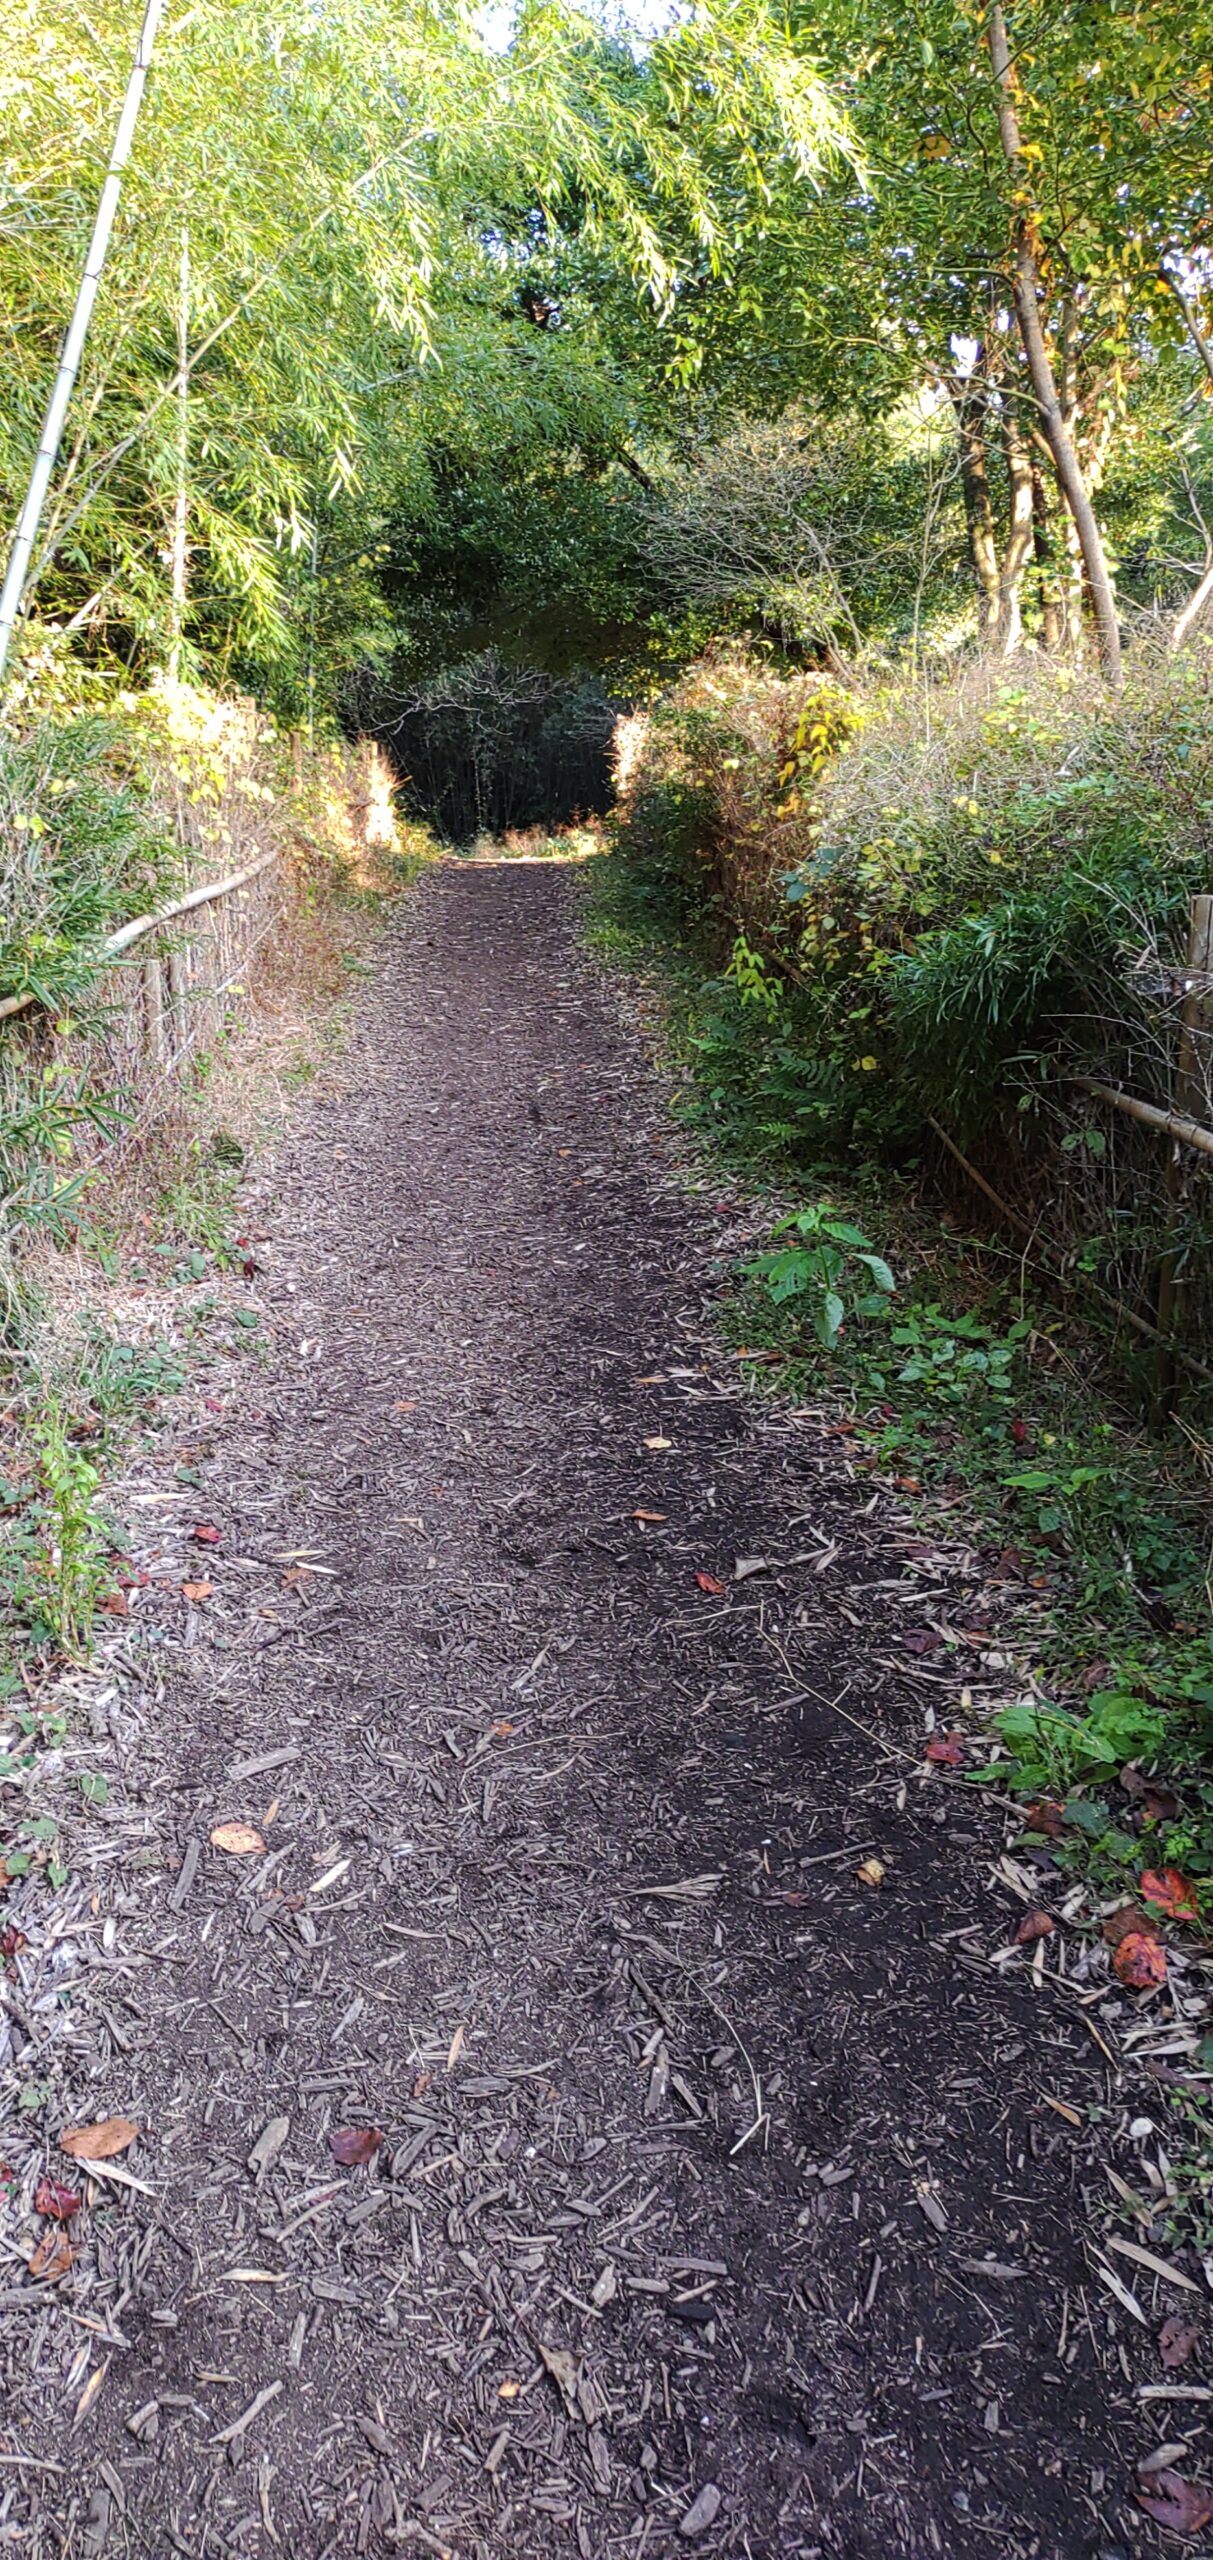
1017,550
1026,291
1052,595
971,400
180,549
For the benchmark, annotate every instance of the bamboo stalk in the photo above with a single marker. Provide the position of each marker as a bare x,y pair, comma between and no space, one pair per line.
1173,1124
73,345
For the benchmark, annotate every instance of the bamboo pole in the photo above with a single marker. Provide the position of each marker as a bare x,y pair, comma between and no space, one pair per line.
1172,1124
140,925
1040,1256
73,345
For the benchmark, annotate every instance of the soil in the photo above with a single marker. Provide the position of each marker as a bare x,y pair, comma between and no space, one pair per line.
720,2196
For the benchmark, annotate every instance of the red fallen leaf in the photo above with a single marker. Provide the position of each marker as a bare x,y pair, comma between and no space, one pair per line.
53,2256
1034,1924
212,1404
206,1533
353,2144
1019,1433
13,1940
945,1750
1047,1817
708,1582
649,1515
907,1484
1183,2506
1141,1964
1176,2339
1172,1892
198,1590
57,2202
115,1604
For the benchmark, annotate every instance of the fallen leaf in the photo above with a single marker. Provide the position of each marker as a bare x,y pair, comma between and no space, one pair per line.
1176,2339
1140,1962
1019,1433
239,1839
658,1443
1034,1924
456,2047
907,1484
710,1583
407,1404
921,1640
91,2391
508,2390
871,1872
53,2256
58,2203
1160,1804
649,1515
115,1604
102,2141
353,2144
1172,1893
198,1590
501,1729
1128,1920
1047,1817
1183,2506
945,1750
206,1533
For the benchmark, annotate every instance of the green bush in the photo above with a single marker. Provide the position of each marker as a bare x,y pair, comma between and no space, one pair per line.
78,854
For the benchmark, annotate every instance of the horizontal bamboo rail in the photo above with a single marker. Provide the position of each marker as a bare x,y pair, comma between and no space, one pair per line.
1172,1124
140,926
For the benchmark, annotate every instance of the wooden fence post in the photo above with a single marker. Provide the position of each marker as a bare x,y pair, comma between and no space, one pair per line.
1191,1101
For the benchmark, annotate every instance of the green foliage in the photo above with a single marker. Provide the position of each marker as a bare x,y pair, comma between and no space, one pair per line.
79,852
829,1257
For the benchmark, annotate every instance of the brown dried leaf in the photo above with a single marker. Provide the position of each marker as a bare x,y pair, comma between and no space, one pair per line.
1034,1924
1183,2506
198,1590
239,1839
1047,1817
871,1872
53,2257
101,2141
710,1583
1176,2339
945,1750
352,2144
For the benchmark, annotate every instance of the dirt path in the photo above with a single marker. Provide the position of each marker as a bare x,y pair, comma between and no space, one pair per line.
720,2203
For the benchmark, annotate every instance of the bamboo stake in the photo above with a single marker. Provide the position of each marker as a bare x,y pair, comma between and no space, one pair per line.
73,345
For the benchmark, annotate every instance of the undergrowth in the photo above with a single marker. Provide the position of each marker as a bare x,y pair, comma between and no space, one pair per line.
988,1404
